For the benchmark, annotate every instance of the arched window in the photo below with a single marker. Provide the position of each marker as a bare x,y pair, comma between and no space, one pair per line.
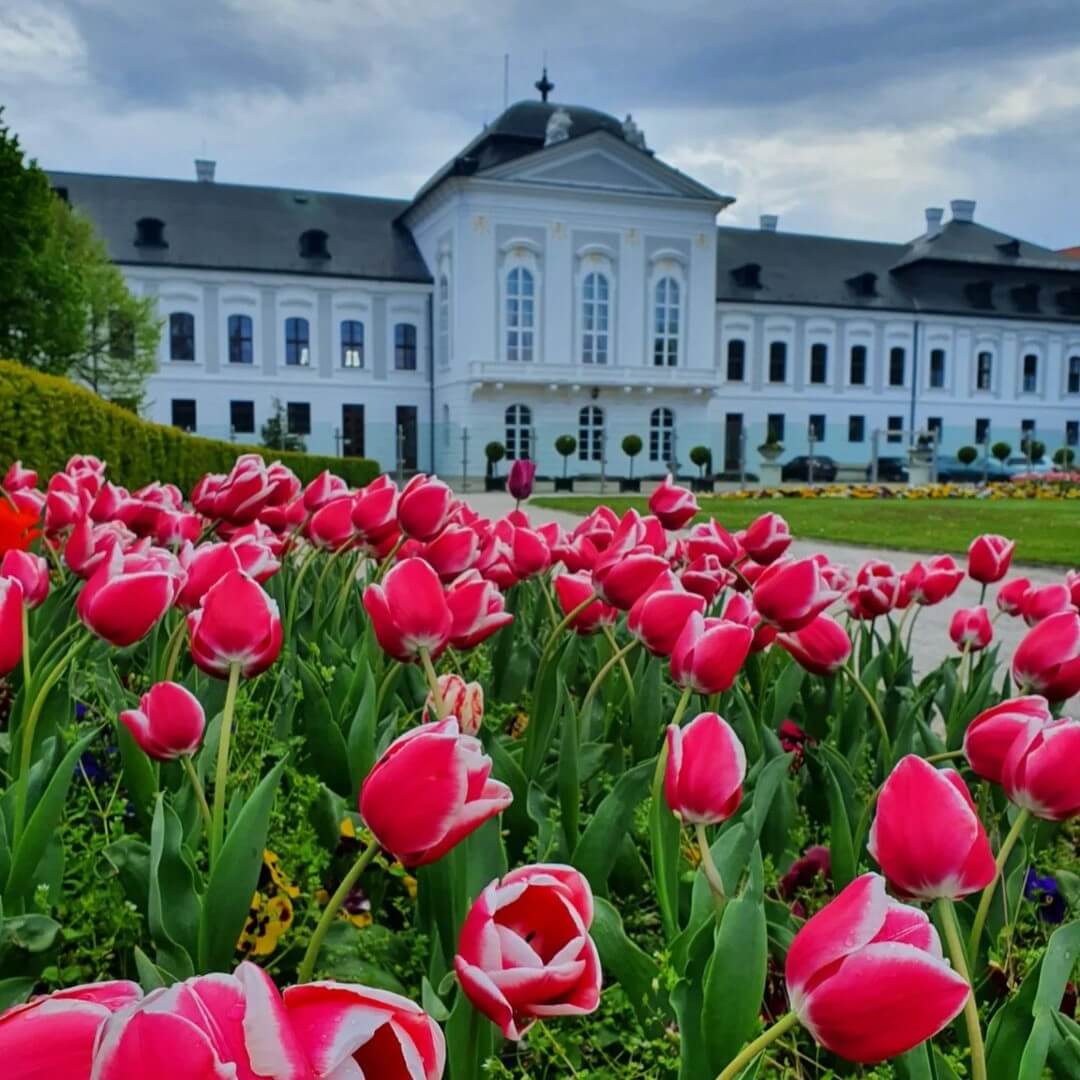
297,342
595,310
819,362
591,433
1031,373
181,336
241,350
661,435
518,432
778,361
666,323
984,370
520,314
1074,375
404,346
736,360
897,365
352,343
444,320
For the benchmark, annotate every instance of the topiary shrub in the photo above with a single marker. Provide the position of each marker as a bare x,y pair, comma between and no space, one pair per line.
631,447
701,456
1001,450
1064,456
966,455
44,419
1034,449
565,445
494,452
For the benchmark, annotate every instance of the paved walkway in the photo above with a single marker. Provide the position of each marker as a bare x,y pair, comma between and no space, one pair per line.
931,642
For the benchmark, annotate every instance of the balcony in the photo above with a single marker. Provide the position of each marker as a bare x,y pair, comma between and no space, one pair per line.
572,377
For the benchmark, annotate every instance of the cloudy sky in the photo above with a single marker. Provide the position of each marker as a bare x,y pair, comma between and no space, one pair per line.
843,116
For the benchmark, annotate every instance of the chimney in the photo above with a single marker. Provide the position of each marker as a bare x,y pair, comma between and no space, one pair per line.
963,210
934,214
768,222
204,170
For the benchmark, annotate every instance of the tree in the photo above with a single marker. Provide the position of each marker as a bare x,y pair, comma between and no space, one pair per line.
494,452
565,445
1001,451
631,447
275,432
701,456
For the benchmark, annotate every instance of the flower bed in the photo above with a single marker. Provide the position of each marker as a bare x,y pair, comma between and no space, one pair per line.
493,799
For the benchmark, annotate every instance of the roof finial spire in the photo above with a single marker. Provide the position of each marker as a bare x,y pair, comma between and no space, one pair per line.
544,85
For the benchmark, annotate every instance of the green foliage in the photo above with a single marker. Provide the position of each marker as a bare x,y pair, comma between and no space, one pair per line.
1001,451
1064,456
701,456
494,452
966,455
566,445
275,433
44,420
631,445
1034,449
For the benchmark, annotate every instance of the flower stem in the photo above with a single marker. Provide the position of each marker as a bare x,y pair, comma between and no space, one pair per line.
433,683
221,776
294,599
176,642
26,650
748,1053
947,913
875,710
388,680
200,795
389,560
601,675
712,874
570,616
999,868
307,965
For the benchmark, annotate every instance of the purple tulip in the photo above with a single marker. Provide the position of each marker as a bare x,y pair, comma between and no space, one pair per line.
520,482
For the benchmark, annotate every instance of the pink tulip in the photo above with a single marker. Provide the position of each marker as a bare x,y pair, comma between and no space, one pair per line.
237,622
525,953
1047,660
455,550
706,576
822,646
675,506
258,551
792,594
766,538
970,628
352,1032
424,507
374,510
599,527
877,588
127,594
709,653
989,557
934,581
88,545
173,529
17,478
11,626
32,573
991,734
1011,595
660,614
1039,772
711,538
238,497
54,1037
204,566
65,503
409,611
168,723
867,978
462,700
430,789
628,565
476,610
325,488
1042,601
575,553
1072,580
572,590
520,481
926,835
330,527
706,766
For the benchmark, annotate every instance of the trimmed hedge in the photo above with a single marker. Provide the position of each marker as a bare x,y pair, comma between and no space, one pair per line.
45,419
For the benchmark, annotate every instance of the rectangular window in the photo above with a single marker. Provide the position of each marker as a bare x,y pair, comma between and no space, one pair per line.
775,427
934,426
240,341
777,362
298,417
819,363
1027,427
1031,373
982,430
856,429
1074,375
857,370
736,360
1072,432
297,342
181,336
183,413
242,417
897,363
894,429
405,420
404,347
816,427
352,343
984,370
937,368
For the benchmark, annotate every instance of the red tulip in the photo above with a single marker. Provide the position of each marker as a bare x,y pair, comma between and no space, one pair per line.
258,551
331,526
867,978
325,488
766,538
520,481
409,611
65,503
970,628
374,511
237,622
455,550
430,789
11,625
711,538
989,557
572,590
204,566
791,594
628,565
1011,595
877,588
707,576
1039,772
599,527
168,723
935,581
1045,600
32,573
660,613
476,610
1047,660
424,506
525,953
352,1032
127,594
822,646
926,835
705,769
462,700
708,654
990,735
675,506
174,528
17,478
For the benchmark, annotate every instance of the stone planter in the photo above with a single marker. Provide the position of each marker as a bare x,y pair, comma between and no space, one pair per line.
770,453
919,462
702,484
494,483
564,483
630,485
769,472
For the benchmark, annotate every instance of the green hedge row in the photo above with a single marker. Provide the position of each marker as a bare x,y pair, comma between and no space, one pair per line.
45,419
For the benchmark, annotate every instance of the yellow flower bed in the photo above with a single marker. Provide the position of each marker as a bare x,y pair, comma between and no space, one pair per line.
1055,488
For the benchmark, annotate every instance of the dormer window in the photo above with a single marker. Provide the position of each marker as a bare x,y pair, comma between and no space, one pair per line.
150,232
313,244
748,276
1068,301
980,294
1010,248
863,284
1026,297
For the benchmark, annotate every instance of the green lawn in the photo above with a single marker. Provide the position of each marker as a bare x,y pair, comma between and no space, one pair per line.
1046,531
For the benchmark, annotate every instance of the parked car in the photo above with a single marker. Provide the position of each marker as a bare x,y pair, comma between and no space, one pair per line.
952,471
891,470
1020,466
798,468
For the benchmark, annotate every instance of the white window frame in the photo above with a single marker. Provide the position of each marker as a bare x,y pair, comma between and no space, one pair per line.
666,263
662,426
591,430
520,254
518,430
443,316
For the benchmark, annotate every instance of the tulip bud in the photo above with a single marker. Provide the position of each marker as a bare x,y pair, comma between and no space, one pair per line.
792,594
204,566
520,481
675,506
455,550
707,577
708,654
1039,772
766,538
462,700
1047,660
822,646
989,557
31,571
970,628
705,769
1010,597
659,614
11,624
331,527
168,723
1045,600
17,478
127,594
325,488
934,581
572,590
877,589
236,623
711,538
424,507
409,611
476,610
991,734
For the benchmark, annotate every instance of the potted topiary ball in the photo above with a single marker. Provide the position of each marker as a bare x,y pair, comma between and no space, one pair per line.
967,455
565,445
1001,451
494,452
1064,457
631,447
701,456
